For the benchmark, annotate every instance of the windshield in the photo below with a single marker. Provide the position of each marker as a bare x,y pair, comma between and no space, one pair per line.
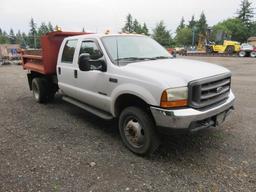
127,49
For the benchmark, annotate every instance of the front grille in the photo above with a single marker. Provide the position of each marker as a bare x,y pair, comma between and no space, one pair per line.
209,91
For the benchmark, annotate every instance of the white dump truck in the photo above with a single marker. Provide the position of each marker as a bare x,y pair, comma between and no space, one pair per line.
133,79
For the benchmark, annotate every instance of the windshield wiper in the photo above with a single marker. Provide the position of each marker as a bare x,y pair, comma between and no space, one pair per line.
142,58
134,58
161,57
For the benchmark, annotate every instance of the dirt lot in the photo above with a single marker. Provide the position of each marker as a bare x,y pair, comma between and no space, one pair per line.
59,147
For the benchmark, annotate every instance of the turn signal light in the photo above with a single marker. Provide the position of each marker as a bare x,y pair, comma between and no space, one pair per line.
165,103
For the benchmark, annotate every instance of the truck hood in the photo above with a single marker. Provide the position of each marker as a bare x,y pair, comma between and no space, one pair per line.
174,72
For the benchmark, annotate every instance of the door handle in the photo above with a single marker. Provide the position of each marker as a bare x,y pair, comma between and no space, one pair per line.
75,73
59,70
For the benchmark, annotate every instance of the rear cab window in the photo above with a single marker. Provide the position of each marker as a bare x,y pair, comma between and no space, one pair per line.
69,51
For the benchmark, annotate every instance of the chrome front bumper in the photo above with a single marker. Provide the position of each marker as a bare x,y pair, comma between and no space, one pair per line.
184,118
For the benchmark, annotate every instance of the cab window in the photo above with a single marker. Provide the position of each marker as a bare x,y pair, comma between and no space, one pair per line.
91,48
68,51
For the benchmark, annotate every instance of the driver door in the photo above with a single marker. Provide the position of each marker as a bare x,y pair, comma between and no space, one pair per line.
92,84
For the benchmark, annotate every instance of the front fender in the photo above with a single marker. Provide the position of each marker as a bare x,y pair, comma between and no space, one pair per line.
135,90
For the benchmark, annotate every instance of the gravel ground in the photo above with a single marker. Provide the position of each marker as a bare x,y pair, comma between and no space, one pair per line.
59,147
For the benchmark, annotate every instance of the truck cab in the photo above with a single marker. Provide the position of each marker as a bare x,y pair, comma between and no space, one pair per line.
133,79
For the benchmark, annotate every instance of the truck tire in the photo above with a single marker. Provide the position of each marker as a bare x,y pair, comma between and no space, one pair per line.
51,91
253,54
39,88
242,54
209,49
137,131
230,49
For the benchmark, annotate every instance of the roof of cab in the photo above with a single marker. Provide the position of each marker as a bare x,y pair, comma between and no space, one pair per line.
97,35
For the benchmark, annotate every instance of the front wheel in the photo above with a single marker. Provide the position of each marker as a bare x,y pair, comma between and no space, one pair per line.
209,49
137,131
253,54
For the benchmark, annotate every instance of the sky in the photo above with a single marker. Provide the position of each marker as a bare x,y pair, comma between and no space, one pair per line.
101,15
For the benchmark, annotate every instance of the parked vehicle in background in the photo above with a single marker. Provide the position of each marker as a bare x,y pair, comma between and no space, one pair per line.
10,53
172,51
249,48
222,44
131,78
229,47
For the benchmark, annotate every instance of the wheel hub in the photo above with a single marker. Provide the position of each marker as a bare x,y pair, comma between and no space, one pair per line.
134,133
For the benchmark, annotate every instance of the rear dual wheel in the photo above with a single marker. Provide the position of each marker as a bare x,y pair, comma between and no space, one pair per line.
42,90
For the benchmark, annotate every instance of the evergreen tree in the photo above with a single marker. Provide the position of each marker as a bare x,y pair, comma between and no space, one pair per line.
43,29
25,40
145,29
246,12
137,27
162,35
202,24
181,25
50,27
33,34
18,38
12,37
4,39
128,28
192,22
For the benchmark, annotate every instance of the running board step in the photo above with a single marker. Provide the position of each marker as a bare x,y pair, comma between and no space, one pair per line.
88,108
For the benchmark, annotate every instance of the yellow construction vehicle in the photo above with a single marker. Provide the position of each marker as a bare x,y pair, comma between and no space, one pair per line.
229,47
223,45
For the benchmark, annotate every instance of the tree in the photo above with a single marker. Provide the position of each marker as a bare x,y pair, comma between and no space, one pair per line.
50,27
202,24
184,37
192,22
128,28
12,37
137,28
246,12
32,33
162,35
43,29
83,30
252,29
232,27
18,38
25,40
3,37
145,29
134,26
181,25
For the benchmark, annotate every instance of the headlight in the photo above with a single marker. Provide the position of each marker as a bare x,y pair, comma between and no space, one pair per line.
176,97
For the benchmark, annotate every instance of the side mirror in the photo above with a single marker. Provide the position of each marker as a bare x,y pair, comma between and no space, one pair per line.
84,62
